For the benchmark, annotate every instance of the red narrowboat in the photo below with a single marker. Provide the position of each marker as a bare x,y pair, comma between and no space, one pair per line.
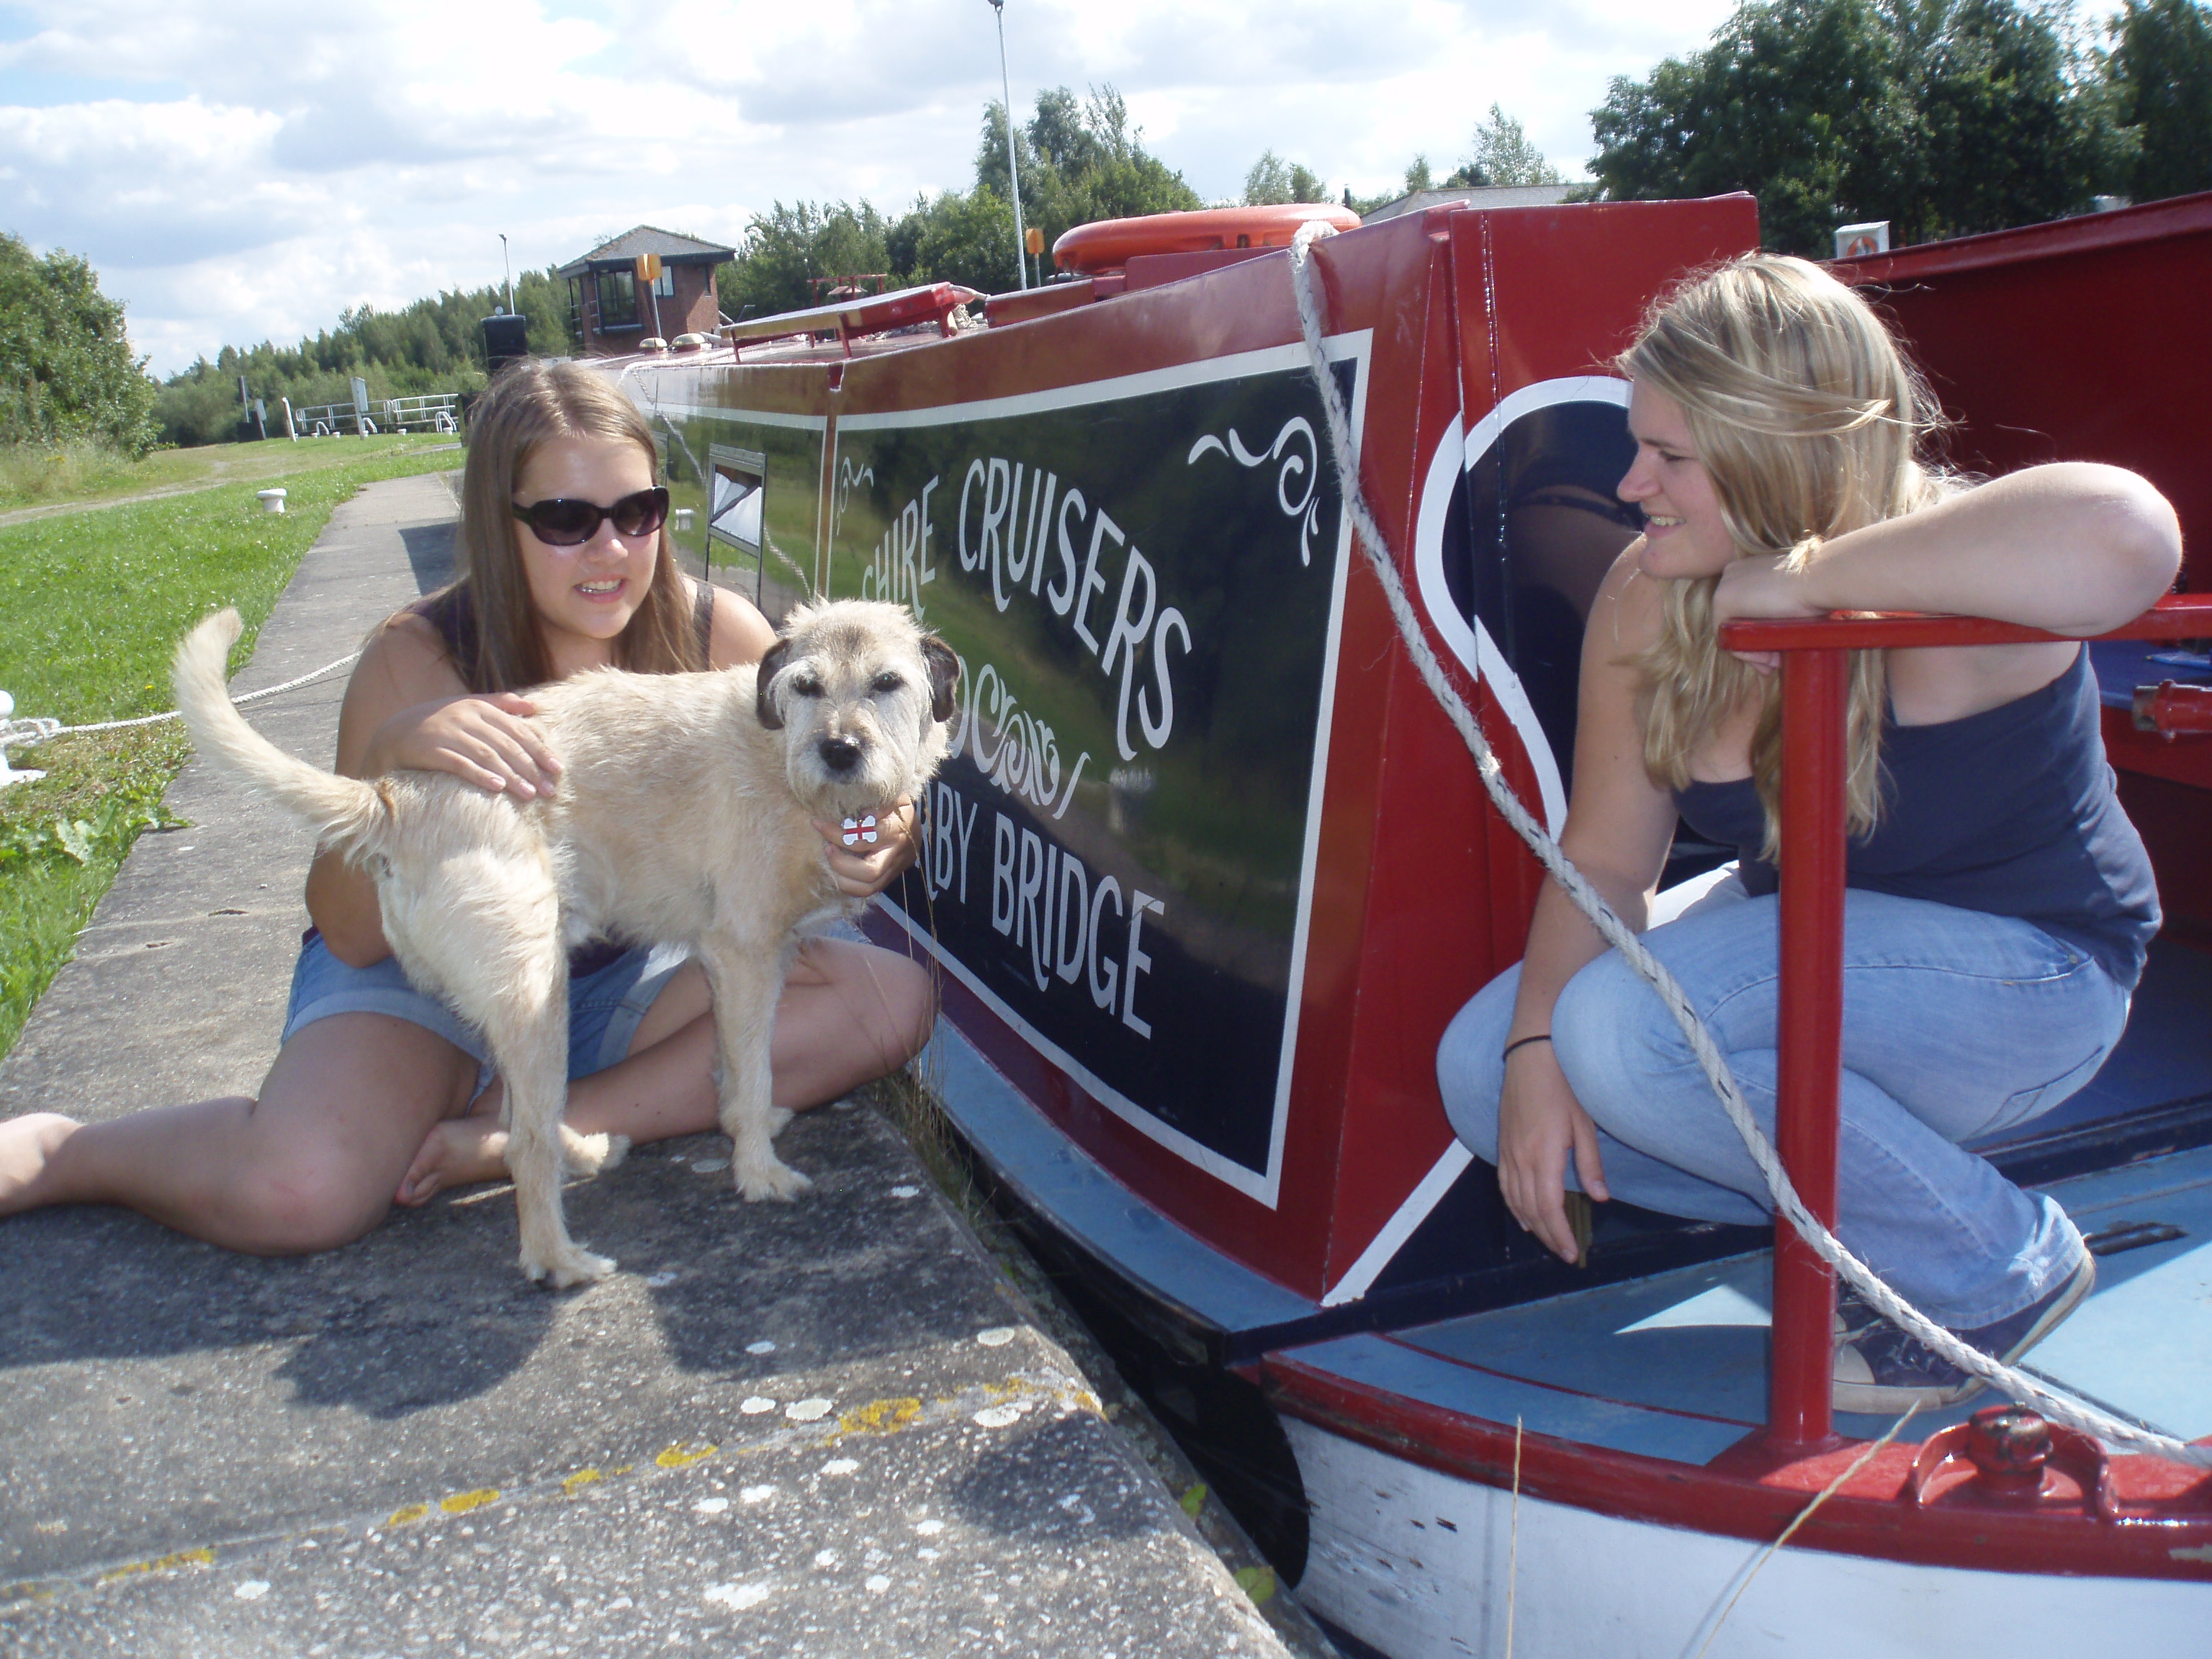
1209,870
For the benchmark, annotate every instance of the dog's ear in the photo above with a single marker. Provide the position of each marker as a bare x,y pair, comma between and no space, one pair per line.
771,718
944,675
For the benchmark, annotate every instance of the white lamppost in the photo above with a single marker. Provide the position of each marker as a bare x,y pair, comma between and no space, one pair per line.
1013,171
508,270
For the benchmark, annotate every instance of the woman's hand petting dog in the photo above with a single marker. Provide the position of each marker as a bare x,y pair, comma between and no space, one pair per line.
488,741
863,871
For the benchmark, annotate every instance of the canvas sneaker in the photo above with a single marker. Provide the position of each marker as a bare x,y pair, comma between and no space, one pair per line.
1882,1371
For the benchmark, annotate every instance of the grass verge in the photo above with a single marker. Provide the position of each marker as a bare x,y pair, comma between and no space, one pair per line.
34,475
96,601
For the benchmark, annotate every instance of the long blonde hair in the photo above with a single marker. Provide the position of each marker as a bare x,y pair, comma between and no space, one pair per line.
488,608
1809,420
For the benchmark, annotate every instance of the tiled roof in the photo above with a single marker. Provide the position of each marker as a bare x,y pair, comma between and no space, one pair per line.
648,239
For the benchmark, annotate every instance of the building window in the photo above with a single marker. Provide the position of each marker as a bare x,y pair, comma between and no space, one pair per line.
617,300
665,284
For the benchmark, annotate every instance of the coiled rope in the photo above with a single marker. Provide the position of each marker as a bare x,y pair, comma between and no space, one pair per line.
37,729
1306,284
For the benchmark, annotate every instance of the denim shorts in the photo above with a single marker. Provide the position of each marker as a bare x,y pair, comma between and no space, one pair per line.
605,1008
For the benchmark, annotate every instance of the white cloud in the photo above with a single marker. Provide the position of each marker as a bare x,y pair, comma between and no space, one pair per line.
247,170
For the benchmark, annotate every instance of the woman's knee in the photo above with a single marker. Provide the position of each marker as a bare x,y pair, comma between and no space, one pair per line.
890,998
909,993
1613,1036
1469,1069
298,1198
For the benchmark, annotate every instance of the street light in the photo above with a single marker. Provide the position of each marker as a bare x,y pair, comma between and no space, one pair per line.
1013,171
509,271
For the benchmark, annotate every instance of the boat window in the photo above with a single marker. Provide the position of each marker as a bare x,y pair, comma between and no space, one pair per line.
1536,526
739,484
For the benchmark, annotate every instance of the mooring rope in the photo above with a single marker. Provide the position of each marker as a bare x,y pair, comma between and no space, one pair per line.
1306,285
37,729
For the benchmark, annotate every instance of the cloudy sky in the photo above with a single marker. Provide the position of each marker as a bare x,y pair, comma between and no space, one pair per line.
244,170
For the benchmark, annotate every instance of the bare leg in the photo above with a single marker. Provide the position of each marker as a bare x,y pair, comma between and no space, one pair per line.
850,1013
310,1164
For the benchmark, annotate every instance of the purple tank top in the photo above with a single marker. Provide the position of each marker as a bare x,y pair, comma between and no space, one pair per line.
2012,811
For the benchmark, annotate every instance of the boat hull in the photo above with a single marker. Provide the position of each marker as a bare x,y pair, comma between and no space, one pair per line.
1418,1565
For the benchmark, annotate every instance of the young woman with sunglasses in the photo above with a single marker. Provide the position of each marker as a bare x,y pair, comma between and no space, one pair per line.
378,1094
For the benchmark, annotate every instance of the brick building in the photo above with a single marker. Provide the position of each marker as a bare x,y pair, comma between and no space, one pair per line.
610,310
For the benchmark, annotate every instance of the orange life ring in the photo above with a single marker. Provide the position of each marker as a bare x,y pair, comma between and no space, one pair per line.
1109,244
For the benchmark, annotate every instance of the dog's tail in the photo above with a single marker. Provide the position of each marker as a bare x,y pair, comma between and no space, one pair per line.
348,814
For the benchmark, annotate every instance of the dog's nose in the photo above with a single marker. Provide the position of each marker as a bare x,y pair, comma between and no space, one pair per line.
839,754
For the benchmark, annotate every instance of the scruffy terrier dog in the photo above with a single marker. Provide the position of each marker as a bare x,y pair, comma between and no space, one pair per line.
681,818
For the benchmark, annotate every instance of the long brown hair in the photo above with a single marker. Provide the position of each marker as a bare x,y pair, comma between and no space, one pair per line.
486,611
1809,420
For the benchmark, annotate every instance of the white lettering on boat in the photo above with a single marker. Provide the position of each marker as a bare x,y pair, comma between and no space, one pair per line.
1012,517
899,566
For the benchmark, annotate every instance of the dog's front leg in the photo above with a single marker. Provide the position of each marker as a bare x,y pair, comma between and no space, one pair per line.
747,981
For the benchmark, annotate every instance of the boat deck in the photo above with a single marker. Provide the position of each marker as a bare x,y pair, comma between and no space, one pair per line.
1675,1366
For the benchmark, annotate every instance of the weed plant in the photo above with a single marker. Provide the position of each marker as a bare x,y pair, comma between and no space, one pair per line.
33,473
96,602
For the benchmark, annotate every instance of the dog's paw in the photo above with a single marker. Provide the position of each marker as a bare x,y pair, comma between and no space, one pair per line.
568,1267
772,1179
591,1155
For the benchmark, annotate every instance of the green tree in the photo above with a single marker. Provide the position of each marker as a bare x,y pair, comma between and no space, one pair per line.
1944,117
786,249
2161,72
1503,155
955,237
1273,181
1081,161
66,371
1416,176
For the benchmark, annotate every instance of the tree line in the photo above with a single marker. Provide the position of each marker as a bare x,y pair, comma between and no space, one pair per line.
1080,160
432,345
1944,117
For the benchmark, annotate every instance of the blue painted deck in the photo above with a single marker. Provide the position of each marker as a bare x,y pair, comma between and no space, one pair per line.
1675,1365
1652,1363
2166,1056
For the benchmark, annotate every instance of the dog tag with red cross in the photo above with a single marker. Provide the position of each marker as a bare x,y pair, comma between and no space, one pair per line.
858,830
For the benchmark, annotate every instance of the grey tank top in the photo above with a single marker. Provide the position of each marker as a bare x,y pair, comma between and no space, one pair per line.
2012,811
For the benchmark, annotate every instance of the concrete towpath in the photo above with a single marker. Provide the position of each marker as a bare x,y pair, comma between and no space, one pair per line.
830,1428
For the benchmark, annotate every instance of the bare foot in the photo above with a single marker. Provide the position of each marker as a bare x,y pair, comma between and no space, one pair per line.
458,1152
26,1144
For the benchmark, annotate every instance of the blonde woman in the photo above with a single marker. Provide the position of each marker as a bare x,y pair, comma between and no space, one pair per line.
378,1094
1999,902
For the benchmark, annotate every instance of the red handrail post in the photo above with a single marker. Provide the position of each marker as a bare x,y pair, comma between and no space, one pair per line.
1815,685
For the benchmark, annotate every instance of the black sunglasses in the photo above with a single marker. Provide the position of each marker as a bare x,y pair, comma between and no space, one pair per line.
563,523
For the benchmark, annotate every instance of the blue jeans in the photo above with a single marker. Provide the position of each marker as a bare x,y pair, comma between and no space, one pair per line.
605,1008
1955,1024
